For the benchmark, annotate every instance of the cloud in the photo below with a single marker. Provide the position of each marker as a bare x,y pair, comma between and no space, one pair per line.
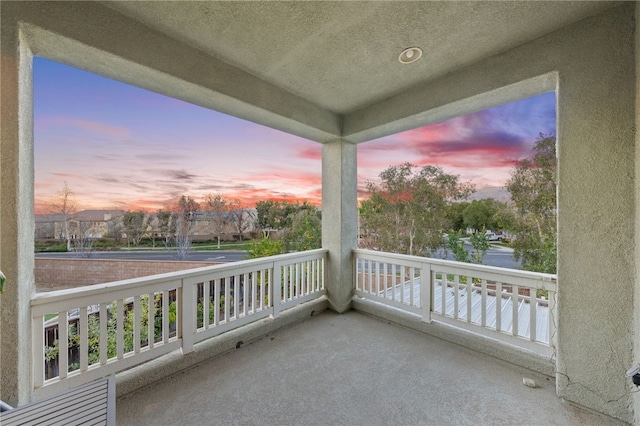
182,175
92,126
310,152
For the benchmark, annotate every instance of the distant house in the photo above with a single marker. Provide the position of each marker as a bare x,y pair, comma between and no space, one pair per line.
51,226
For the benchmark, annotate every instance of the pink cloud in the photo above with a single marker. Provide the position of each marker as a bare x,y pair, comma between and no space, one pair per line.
92,126
311,152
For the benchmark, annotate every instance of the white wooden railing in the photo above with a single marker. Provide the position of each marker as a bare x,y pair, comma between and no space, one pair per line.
112,327
514,306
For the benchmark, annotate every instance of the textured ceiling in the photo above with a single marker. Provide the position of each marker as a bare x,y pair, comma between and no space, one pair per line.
342,56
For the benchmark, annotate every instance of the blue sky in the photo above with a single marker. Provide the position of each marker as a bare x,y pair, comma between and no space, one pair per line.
118,146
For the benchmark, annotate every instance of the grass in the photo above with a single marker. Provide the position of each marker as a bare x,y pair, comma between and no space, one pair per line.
50,246
237,245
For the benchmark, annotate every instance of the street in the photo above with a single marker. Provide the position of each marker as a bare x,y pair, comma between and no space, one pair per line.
193,256
499,256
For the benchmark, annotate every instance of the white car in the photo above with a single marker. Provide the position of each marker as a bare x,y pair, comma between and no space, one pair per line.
492,236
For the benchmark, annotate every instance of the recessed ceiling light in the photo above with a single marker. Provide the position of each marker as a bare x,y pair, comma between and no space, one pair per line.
409,55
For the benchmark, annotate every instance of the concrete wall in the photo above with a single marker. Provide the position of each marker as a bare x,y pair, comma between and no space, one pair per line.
58,274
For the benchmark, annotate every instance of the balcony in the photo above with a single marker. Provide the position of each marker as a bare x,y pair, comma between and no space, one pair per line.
374,368
351,369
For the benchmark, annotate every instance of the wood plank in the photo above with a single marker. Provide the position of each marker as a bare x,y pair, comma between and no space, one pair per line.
92,403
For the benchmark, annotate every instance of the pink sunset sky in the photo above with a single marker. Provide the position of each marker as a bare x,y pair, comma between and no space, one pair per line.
121,147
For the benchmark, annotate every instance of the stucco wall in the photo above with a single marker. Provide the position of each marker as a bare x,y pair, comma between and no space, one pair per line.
58,274
16,205
636,322
591,65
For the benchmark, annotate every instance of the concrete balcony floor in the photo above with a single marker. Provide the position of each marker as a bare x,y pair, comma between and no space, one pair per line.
351,369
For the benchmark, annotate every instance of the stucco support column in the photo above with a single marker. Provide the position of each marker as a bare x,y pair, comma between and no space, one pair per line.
636,322
16,214
339,219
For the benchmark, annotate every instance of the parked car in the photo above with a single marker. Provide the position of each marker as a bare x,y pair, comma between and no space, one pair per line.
492,236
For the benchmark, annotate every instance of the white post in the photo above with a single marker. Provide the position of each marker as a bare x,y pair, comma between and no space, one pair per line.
276,289
339,219
426,287
187,315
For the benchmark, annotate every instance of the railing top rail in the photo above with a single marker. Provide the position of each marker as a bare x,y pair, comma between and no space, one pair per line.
460,266
98,289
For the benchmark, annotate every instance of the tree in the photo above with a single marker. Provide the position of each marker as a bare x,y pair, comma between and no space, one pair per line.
82,242
65,206
166,226
455,215
480,244
306,230
407,212
533,195
115,229
135,226
481,214
456,245
265,247
217,207
279,216
187,209
241,218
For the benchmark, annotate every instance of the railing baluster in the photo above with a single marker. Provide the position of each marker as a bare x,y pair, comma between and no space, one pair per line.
245,295
63,342
533,305
285,283
375,269
403,280
456,296
236,298
38,335
104,337
151,330
216,301
483,308
206,302
120,328
498,306
266,290
136,324
188,316
227,293
443,294
385,277
313,285
276,295
469,298
254,292
370,276
165,317
412,272
515,298
298,268
426,285
83,332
